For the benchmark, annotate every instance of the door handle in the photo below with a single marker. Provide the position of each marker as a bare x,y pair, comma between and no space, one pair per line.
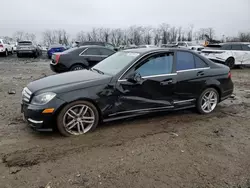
167,82
200,73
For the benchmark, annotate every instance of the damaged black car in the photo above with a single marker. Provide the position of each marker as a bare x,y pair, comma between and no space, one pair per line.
128,83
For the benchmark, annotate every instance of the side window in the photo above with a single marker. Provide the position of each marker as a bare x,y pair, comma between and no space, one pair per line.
226,47
236,47
246,47
4,42
184,61
106,52
199,63
109,46
92,51
156,65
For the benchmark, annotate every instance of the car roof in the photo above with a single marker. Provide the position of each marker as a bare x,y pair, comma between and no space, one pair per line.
92,46
147,50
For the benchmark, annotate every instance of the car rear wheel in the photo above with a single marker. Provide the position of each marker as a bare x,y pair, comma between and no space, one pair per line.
6,53
76,67
230,62
77,118
207,101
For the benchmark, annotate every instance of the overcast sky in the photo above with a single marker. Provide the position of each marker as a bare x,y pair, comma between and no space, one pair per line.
228,17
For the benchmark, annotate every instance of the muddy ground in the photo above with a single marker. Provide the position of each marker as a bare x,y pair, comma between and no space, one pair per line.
180,149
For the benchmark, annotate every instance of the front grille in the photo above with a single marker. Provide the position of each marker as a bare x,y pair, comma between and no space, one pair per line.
26,95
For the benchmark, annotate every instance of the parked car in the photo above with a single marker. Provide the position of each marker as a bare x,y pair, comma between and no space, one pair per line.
5,48
190,46
55,48
78,58
105,44
28,48
128,83
230,54
171,45
147,46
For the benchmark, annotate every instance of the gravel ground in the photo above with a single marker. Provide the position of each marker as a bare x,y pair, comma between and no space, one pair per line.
180,149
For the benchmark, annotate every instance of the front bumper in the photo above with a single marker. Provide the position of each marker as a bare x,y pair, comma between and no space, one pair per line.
34,116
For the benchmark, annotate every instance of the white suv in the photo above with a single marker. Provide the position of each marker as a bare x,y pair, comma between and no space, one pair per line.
5,48
230,54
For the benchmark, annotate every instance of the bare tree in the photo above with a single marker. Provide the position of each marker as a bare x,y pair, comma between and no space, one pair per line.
165,33
173,34
81,36
19,35
210,32
179,33
244,37
30,36
190,33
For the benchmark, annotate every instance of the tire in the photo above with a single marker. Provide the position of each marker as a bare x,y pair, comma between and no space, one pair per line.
6,53
35,55
77,67
18,55
230,62
213,101
74,120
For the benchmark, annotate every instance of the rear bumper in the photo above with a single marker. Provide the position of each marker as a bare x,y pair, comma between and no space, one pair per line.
59,68
26,51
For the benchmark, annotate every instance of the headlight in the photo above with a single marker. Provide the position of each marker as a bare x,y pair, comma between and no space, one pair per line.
43,98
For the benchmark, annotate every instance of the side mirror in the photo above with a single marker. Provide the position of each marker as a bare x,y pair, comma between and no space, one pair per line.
134,78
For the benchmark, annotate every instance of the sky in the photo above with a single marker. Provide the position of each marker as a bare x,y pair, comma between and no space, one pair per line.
227,17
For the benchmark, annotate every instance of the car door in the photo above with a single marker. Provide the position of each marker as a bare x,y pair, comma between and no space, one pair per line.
153,88
92,56
192,73
246,58
238,53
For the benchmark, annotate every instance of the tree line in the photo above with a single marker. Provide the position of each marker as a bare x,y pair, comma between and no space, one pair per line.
135,35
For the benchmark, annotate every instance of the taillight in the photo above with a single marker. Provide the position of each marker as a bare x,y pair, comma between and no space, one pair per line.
229,75
1,46
57,58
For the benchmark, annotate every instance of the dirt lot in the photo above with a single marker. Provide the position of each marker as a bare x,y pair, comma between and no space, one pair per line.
181,149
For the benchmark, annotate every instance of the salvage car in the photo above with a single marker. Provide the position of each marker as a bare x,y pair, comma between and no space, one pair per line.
28,48
190,46
5,48
79,58
55,48
230,54
128,83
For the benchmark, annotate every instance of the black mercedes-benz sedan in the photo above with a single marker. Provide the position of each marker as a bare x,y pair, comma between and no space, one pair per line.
128,83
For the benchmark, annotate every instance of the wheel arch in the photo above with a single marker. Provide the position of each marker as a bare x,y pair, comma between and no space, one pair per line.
216,87
85,65
81,99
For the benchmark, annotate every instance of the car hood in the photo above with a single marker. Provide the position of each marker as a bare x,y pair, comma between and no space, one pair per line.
68,81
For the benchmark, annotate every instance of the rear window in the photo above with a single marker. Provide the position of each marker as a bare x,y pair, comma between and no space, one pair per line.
25,43
75,49
246,47
56,46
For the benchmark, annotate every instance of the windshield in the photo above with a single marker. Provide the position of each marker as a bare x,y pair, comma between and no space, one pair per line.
190,44
116,62
25,43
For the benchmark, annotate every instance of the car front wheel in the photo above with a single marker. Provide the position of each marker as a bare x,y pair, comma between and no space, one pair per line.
207,101
77,118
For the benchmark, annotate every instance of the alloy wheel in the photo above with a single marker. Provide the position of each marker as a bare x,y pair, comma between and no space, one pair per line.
78,119
209,101
78,68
